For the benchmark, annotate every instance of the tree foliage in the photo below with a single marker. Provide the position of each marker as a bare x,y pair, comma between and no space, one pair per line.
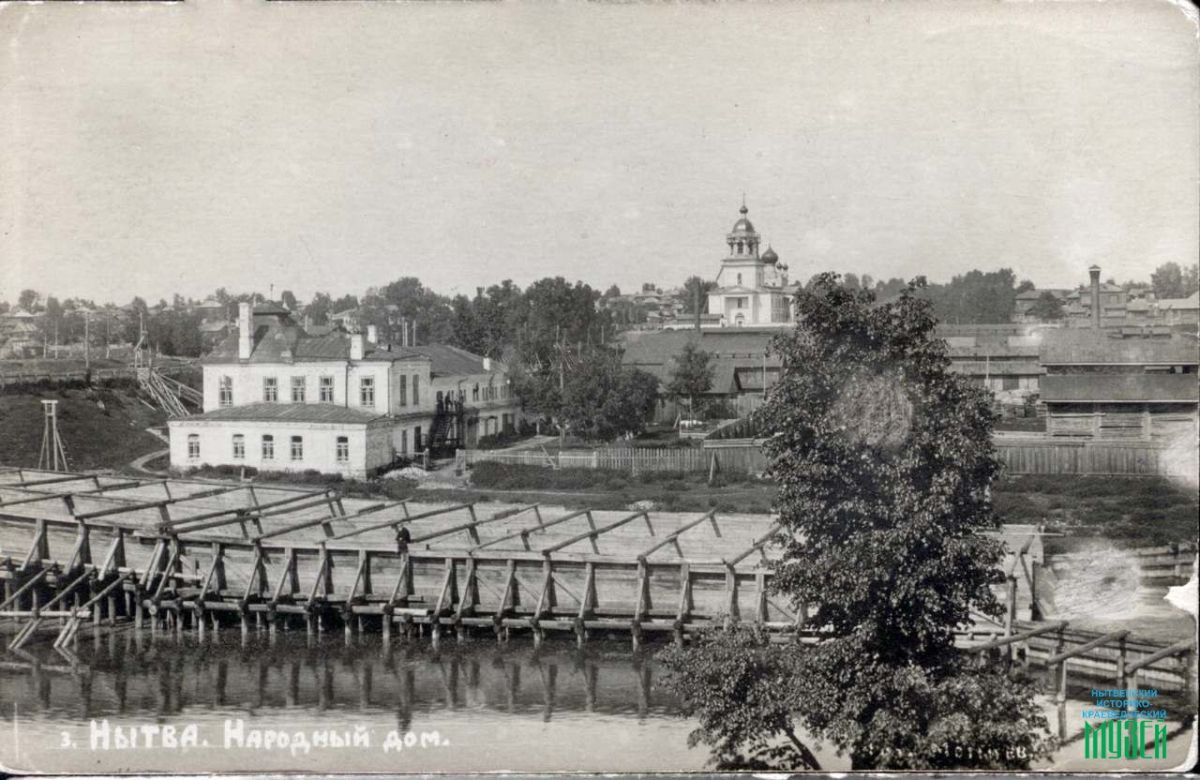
976,297
1048,307
696,288
692,375
884,460
1170,280
603,399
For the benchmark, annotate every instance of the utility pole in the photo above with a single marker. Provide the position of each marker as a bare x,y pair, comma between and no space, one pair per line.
53,456
562,384
87,344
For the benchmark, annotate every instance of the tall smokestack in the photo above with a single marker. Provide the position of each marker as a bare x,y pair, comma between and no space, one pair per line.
414,333
245,331
1094,271
372,334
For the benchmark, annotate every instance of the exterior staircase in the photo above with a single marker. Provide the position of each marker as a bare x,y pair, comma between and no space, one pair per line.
168,394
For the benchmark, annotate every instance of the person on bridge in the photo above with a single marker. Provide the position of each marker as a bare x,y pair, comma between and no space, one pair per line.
403,537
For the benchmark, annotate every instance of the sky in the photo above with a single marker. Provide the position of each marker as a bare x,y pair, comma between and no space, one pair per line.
148,149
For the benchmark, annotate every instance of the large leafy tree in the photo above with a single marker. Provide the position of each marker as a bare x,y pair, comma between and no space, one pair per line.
976,297
1167,281
28,300
696,289
883,459
603,399
554,313
691,376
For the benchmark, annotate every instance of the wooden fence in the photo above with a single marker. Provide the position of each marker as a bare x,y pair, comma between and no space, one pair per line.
745,456
1050,456
632,459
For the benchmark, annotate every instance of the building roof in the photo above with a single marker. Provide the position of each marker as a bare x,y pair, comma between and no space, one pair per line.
731,348
270,307
1170,388
299,413
1084,346
281,340
452,361
1190,302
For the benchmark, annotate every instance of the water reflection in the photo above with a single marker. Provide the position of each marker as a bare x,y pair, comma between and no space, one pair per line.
126,673
501,706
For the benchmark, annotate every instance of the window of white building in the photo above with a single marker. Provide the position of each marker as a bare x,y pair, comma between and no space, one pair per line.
225,391
326,389
366,391
239,446
268,447
270,389
299,387
343,449
404,389
193,444
297,448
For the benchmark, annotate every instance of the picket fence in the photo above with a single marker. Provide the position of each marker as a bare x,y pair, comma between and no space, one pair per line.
631,459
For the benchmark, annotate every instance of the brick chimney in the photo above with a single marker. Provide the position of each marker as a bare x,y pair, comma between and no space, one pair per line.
245,331
1094,272
356,346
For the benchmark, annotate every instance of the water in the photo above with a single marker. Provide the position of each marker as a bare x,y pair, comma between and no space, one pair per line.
492,707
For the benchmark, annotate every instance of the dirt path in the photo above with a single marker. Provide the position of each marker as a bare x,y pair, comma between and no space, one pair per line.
139,465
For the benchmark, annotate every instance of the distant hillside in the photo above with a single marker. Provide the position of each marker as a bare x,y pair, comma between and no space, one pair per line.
100,428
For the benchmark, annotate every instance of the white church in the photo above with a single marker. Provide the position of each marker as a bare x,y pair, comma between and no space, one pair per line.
752,289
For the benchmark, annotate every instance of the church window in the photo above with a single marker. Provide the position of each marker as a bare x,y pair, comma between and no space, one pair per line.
739,280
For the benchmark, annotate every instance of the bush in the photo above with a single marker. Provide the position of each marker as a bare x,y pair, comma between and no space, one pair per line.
500,440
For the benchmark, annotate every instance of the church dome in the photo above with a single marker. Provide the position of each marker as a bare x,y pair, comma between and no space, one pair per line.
770,255
743,225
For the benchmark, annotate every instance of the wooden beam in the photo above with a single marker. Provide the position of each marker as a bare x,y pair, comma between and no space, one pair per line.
1077,651
670,538
592,534
305,496
1175,649
369,510
288,575
526,531
472,525
47,481
116,510
43,495
1021,637
35,579
758,544
393,523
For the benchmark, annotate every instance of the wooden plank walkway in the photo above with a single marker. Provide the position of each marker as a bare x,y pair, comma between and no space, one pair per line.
179,554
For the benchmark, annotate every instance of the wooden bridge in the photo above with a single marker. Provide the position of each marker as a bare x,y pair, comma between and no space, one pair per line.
176,554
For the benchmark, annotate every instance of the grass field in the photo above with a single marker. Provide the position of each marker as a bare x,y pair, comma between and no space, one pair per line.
100,428
1138,511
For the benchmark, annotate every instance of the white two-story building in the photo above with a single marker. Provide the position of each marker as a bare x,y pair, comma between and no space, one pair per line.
279,399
